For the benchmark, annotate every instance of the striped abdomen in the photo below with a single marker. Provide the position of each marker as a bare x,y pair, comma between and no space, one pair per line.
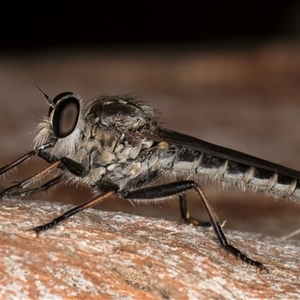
274,180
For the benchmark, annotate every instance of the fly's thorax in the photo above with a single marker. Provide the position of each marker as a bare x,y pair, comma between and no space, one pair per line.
122,112
107,152
111,155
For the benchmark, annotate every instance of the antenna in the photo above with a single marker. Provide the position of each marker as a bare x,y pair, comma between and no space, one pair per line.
49,100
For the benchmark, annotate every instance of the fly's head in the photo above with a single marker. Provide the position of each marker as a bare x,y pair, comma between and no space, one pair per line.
63,124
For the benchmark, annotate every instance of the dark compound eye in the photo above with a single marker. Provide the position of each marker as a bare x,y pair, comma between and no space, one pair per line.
59,97
65,114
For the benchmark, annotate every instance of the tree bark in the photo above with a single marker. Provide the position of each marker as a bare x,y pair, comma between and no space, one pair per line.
101,255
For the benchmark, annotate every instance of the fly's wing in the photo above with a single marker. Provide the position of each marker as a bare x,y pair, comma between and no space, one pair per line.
186,141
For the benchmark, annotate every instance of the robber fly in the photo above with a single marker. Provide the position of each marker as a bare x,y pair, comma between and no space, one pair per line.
115,145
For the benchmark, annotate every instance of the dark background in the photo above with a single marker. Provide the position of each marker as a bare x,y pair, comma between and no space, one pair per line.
43,24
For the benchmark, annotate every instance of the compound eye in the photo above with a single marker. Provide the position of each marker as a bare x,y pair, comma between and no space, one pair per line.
65,114
57,99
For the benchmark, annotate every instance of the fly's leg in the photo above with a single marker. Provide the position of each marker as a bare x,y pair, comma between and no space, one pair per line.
173,188
14,191
37,152
18,189
185,214
73,167
108,190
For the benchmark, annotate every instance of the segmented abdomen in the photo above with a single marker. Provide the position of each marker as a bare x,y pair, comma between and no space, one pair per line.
208,167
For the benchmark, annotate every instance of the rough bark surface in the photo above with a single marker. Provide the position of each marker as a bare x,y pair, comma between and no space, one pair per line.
102,255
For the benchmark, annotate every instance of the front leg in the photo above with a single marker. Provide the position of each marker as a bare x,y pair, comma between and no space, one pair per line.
19,189
73,167
39,151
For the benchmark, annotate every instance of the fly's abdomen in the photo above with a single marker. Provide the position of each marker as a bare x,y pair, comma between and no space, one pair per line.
245,176
258,179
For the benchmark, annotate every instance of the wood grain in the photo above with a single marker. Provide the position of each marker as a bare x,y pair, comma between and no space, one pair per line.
106,255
